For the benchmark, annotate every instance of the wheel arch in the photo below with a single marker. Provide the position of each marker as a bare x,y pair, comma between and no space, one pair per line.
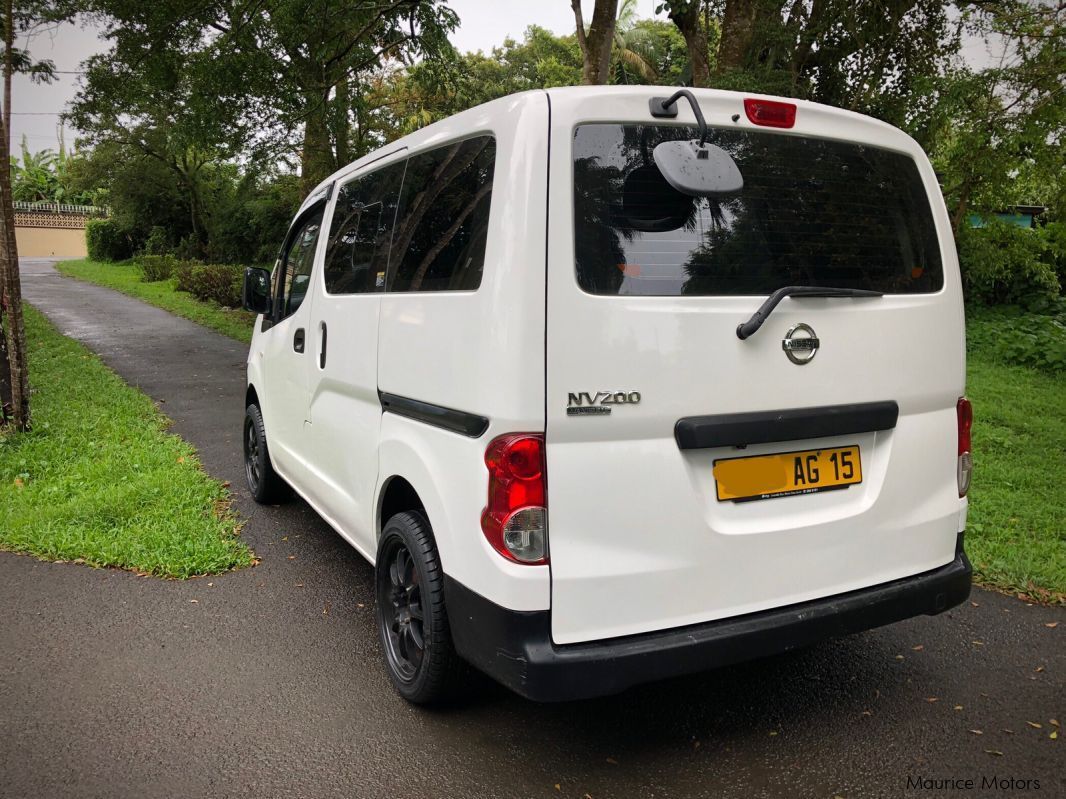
407,485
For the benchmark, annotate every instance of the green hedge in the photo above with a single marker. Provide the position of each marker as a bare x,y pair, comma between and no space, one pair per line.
218,283
105,240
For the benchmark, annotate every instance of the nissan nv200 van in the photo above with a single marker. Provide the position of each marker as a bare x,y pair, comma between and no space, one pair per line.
612,384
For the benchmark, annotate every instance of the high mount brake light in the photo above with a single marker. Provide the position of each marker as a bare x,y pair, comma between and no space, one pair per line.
770,113
516,517
964,412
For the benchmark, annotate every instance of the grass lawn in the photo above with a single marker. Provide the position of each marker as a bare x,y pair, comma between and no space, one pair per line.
1017,524
100,480
125,277
1016,534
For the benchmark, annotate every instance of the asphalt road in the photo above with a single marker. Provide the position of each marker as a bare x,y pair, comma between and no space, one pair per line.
270,684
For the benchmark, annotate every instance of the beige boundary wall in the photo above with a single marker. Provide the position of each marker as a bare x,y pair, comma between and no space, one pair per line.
46,233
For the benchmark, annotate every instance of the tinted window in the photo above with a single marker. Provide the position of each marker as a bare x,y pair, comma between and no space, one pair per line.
298,260
439,242
812,212
357,253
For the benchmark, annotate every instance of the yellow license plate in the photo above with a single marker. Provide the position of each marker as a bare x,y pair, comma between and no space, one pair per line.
787,473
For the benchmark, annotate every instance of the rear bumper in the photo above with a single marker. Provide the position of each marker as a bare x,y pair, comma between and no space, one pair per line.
516,649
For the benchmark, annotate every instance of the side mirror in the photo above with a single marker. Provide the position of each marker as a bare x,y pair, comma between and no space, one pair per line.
255,295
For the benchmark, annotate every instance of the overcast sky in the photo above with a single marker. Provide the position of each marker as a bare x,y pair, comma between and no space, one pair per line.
483,25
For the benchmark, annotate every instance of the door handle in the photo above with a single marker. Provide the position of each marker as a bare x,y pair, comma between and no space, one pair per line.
298,340
322,345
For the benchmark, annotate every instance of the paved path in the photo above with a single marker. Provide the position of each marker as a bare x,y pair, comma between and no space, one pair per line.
116,685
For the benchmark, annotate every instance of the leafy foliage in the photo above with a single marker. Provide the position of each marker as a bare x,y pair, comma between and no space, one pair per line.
156,267
217,283
1004,263
106,240
1015,336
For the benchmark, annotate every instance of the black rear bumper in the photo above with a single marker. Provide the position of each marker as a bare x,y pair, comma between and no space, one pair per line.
516,649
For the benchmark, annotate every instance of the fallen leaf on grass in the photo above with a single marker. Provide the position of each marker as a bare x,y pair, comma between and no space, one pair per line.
1034,725
1039,669
194,601
325,610
979,643
975,604
773,732
918,648
19,484
612,761
931,699
977,732
1052,624
994,752
292,557
299,585
1009,732
1053,722
558,787
360,605
958,707
181,459
1054,735
867,712
899,657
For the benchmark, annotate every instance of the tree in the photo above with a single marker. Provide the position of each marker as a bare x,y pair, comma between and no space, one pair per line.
632,56
283,70
997,134
597,40
686,15
15,387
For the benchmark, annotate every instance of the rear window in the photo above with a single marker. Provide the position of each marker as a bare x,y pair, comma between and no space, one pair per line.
812,212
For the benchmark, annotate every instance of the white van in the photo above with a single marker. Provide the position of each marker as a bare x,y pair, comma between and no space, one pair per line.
609,395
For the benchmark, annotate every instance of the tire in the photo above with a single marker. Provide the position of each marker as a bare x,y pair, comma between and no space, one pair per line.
419,655
264,484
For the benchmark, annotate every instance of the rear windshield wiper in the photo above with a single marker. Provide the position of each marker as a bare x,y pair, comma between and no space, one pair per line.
747,329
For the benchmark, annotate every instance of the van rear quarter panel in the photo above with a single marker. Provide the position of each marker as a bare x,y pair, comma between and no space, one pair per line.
476,351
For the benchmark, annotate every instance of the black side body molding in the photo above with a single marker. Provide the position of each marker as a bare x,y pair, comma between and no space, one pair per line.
792,424
467,424
515,647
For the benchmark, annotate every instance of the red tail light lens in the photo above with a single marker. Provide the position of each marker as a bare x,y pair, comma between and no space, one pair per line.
770,113
515,519
964,412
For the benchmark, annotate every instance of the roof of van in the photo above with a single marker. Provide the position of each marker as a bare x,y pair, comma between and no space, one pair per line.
444,129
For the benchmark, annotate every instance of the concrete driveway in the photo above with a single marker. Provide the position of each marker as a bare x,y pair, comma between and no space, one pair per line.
271,683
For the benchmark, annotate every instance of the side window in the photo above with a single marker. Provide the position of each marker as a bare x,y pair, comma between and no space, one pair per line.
297,262
357,252
443,218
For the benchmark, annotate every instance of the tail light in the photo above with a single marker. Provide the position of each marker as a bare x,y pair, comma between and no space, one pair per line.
770,113
964,411
515,521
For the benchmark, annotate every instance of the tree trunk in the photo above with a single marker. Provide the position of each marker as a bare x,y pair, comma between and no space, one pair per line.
342,128
596,43
738,28
688,23
316,161
10,284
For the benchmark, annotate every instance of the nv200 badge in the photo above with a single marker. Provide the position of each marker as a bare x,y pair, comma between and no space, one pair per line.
587,403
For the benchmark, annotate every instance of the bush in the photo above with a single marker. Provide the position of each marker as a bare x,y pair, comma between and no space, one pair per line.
156,267
156,243
217,283
105,240
1003,263
1015,336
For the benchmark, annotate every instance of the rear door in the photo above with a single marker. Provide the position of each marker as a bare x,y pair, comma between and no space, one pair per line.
655,525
